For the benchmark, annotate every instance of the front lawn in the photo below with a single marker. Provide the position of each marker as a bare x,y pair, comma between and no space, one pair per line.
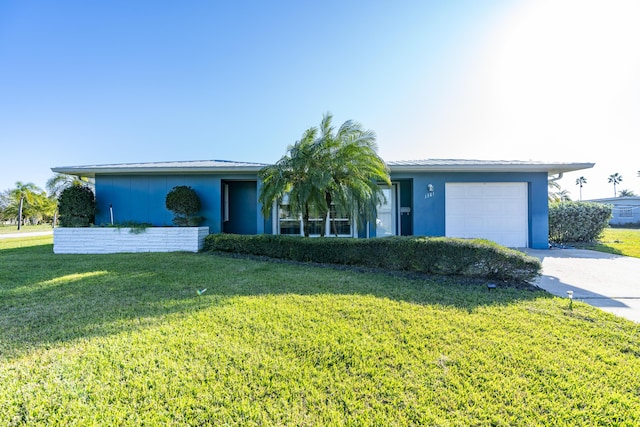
125,339
621,241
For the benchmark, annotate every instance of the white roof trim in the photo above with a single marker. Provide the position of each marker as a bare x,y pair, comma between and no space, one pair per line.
187,167
448,165
223,166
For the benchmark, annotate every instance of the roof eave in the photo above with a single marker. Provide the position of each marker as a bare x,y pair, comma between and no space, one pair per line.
90,172
551,168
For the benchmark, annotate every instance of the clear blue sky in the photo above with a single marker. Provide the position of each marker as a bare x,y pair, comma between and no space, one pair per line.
139,81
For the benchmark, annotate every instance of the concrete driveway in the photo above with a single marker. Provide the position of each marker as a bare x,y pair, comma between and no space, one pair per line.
610,282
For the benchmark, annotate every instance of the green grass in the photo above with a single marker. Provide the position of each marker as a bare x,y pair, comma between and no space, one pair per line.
621,241
125,340
10,229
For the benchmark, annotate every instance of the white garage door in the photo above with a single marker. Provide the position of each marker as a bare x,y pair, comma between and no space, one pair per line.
496,211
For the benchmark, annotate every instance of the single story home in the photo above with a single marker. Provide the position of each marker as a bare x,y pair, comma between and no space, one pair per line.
626,209
504,201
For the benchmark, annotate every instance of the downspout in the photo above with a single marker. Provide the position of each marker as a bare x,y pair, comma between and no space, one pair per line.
557,177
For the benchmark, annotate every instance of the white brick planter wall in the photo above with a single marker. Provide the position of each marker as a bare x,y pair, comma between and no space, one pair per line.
108,240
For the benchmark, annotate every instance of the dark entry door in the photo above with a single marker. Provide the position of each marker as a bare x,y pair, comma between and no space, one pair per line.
240,204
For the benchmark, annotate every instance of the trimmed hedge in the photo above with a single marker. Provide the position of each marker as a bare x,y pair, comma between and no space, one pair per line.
76,207
431,255
184,202
577,221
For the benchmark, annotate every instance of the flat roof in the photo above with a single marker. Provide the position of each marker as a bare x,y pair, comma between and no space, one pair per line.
226,166
469,165
193,166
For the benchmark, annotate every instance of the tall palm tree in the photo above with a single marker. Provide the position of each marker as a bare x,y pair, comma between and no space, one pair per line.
326,168
24,192
300,176
581,181
355,169
615,179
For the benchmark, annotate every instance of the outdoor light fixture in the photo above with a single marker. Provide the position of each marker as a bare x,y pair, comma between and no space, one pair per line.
570,295
430,190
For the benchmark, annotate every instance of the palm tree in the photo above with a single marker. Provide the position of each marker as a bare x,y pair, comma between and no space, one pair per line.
615,179
581,181
57,183
296,176
24,193
563,196
626,193
553,191
326,168
355,169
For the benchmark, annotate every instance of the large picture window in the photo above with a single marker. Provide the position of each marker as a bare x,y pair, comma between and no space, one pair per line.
339,224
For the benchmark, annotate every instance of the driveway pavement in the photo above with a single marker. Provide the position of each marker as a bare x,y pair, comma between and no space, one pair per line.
610,282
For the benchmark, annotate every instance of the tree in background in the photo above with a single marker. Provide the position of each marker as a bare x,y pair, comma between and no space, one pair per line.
5,202
556,193
325,168
581,181
57,183
626,193
24,198
615,179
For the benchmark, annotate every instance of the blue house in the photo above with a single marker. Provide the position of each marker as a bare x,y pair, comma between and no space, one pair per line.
626,209
504,201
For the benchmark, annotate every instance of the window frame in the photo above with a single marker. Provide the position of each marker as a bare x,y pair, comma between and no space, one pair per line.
279,219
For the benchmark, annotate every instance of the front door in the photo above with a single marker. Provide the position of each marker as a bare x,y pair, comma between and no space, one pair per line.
387,219
240,207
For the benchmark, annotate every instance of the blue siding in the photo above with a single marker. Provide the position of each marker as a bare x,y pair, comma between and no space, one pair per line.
141,198
429,212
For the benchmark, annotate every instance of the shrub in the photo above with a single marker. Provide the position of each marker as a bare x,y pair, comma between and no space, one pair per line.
577,221
76,206
431,255
185,204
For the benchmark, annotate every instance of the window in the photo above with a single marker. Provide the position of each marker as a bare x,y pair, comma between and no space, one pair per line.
339,224
288,223
625,212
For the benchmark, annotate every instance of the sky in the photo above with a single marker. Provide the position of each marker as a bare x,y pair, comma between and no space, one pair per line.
84,83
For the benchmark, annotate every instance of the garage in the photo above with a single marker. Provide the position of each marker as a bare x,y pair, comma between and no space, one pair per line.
496,211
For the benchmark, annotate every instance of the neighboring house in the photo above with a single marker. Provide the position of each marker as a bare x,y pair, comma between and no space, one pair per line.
504,201
626,210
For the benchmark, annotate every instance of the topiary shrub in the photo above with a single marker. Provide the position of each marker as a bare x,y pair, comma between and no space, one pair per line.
76,207
432,255
577,221
185,204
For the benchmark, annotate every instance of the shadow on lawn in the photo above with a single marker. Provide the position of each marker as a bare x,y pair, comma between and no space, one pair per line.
46,299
